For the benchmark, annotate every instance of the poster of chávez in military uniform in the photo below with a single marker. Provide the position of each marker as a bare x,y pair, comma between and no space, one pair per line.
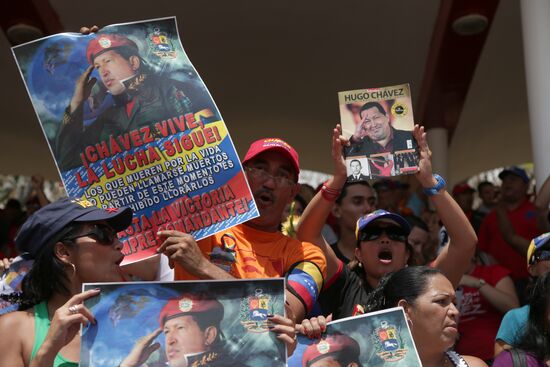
184,324
130,123
86,88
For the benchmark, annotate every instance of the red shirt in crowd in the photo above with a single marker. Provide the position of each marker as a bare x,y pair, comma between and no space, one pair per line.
523,219
479,320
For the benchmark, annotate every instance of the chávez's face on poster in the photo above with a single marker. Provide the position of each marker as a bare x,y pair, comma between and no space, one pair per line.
183,336
375,124
113,69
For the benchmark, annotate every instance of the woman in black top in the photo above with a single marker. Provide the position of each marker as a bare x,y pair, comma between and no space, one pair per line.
378,251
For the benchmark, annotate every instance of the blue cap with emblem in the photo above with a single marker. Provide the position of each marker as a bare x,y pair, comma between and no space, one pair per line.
47,222
365,220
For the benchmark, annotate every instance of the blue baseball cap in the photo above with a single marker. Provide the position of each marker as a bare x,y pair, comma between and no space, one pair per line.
46,224
365,220
516,171
536,244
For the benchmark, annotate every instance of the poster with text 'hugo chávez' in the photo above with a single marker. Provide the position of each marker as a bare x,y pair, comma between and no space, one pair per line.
176,324
379,124
377,339
130,123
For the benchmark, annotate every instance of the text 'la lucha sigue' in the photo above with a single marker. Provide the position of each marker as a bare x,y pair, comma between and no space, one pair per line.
198,137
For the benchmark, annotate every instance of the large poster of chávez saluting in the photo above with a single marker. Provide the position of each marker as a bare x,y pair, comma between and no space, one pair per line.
129,122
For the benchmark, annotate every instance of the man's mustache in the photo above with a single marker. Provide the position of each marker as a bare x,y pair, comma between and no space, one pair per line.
265,192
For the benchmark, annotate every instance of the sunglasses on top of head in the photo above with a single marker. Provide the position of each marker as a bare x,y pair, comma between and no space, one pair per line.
373,233
102,233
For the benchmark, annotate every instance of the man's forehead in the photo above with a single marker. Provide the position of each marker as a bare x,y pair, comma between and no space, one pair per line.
106,54
371,111
274,157
178,320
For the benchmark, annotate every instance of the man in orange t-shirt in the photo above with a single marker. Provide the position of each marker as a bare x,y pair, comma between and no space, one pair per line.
257,249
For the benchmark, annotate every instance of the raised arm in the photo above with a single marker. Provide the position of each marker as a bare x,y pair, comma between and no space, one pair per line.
314,216
454,258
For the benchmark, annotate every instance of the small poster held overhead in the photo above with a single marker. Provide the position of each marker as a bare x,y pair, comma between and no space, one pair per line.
130,123
379,124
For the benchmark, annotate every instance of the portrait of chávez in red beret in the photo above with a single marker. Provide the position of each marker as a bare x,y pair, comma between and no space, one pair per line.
128,95
188,323
193,337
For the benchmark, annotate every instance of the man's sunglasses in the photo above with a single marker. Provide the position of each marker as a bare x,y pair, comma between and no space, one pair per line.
102,233
394,233
543,255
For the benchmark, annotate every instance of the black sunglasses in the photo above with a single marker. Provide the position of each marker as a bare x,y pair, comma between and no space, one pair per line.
102,233
394,233
543,255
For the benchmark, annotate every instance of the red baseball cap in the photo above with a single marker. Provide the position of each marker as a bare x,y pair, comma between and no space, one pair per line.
331,346
462,188
106,42
263,145
192,303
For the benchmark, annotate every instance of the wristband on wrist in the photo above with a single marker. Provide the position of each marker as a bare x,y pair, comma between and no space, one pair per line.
330,194
431,191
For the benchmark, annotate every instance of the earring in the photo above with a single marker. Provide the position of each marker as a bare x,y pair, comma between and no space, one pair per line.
74,268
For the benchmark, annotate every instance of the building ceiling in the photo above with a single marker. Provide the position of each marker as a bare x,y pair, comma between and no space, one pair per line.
274,69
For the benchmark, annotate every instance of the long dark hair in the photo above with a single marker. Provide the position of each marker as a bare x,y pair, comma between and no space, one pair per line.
407,284
47,274
536,338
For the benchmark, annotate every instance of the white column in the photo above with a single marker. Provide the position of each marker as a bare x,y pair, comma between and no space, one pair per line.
438,141
535,17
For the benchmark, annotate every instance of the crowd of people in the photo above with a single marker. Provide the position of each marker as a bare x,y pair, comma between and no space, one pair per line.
473,282
461,292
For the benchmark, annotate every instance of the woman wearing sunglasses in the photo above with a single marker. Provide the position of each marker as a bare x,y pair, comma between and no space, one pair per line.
381,237
72,242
